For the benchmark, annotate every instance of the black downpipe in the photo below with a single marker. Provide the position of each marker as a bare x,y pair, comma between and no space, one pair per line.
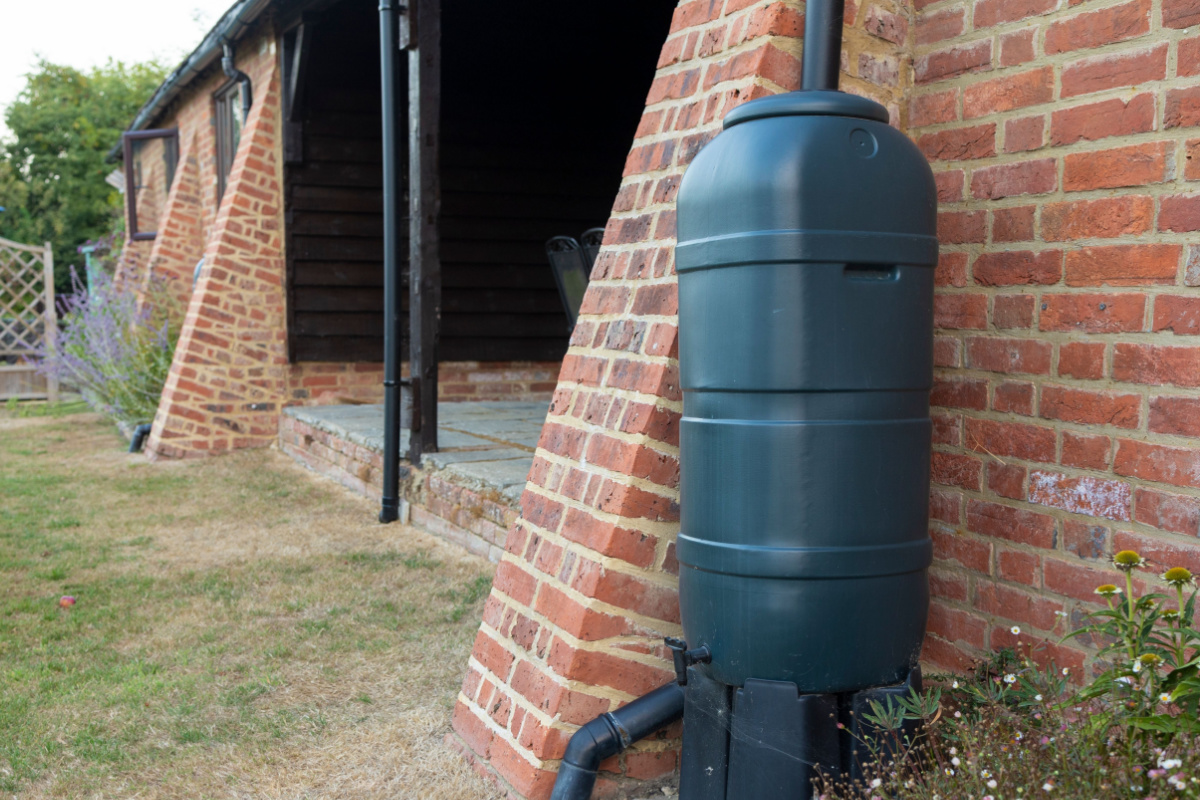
822,56
139,437
390,512
611,733
236,74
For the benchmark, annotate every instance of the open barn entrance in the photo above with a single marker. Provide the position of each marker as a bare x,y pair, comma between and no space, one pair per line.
539,107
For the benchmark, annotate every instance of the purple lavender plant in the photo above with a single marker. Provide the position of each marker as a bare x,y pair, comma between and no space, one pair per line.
117,355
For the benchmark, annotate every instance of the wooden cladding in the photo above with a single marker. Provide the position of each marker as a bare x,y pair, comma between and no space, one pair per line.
517,168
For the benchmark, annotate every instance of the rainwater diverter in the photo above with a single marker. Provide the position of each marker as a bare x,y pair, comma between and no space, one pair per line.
807,242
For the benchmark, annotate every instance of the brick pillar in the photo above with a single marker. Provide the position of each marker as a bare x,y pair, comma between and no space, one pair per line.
587,587
229,377
180,241
1063,139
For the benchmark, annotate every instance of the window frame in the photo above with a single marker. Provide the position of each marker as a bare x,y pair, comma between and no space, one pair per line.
132,174
227,106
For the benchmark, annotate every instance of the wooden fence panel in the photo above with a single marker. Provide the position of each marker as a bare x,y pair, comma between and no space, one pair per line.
28,322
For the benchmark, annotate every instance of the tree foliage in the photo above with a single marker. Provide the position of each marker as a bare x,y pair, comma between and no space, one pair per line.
52,165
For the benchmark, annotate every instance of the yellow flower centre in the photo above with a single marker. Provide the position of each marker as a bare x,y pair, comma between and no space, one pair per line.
1127,558
1178,576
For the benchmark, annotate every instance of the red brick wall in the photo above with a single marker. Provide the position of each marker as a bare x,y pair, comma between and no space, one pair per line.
587,587
180,240
1063,136
229,378
479,380
330,383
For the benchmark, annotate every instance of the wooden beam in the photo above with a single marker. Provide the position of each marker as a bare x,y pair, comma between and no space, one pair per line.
296,47
295,68
424,34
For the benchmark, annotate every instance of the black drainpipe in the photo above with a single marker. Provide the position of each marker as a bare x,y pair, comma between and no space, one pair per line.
822,56
611,733
239,76
139,437
390,511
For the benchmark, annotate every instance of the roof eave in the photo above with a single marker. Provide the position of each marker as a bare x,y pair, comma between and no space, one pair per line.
232,25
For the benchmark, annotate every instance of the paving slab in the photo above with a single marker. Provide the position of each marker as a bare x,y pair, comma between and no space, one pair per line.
446,458
486,445
507,474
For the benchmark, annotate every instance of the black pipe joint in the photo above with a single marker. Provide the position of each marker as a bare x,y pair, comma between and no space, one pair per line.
610,734
390,511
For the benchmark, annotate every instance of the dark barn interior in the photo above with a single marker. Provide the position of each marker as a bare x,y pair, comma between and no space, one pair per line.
539,107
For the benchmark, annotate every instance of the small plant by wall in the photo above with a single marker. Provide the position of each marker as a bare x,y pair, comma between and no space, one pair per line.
1017,727
113,350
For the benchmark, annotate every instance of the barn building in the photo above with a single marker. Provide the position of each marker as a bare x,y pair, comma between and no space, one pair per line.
1065,139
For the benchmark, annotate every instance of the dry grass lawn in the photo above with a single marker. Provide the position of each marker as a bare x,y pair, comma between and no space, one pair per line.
243,629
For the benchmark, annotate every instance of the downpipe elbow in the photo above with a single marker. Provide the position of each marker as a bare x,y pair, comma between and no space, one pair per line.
232,72
138,441
610,734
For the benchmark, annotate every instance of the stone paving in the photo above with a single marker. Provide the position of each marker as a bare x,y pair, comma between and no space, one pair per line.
484,446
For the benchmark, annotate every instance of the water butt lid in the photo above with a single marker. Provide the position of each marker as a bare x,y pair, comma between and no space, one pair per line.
811,103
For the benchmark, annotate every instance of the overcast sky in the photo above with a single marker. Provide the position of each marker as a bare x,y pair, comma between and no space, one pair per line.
85,33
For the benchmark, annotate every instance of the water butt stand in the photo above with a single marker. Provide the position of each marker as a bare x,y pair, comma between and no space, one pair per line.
807,246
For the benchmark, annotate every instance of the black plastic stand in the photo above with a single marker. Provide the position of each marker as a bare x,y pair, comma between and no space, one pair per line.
766,739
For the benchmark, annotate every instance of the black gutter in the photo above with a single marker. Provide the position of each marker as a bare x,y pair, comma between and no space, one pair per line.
390,511
822,55
236,74
232,25
612,733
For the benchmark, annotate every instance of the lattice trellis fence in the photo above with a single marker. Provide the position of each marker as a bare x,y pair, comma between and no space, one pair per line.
28,323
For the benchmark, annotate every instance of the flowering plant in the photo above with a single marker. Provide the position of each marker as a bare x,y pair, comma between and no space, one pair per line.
1152,652
1012,728
114,350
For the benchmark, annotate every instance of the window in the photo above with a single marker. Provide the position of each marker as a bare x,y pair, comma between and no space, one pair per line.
229,130
150,161
170,157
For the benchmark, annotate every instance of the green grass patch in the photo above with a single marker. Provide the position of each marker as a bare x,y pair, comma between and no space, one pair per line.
168,660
